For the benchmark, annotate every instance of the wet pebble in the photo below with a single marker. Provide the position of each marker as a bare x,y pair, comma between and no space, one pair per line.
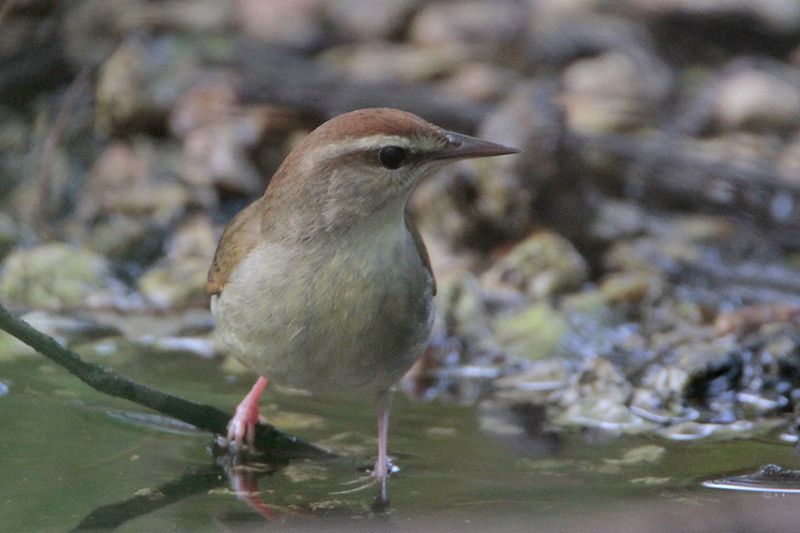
545,264
536,331
754,98
613,92
141,81
370,20
389,61
179,278
58,276
493,24
296,23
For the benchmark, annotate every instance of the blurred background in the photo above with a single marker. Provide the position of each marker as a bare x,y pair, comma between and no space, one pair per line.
633,274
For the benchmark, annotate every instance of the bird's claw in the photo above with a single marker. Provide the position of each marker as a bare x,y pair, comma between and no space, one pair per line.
388,469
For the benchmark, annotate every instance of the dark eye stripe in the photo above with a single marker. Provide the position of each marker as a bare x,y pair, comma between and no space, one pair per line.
392,157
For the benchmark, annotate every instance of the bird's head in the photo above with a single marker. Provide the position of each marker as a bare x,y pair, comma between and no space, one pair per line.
361,162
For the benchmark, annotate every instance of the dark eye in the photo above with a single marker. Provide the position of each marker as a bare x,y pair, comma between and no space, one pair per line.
392,157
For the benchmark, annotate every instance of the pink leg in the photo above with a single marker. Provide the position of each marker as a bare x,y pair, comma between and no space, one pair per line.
381,469
245,484
243,424
383,466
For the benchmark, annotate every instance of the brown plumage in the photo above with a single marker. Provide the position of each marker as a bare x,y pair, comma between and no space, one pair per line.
324,282
246,229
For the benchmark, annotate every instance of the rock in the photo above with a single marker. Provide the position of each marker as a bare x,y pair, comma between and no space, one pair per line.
296,23
613,92
647,454
508,189
477,203
495,24
139,84
56,276
136,179
631,288
179,279
481,82
650,254
67,330
216,156
207,103
596,379
616,220
536,384
218,135
758,99
370,20
188,16
603,414
789,161
545,264
131,197
534,332
462,311
596,396
666,382
396,62
713,367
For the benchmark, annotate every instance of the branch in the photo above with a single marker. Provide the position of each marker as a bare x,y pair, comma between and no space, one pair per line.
102,379
114,515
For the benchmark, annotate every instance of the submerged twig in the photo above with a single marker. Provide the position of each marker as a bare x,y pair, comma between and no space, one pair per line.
114,515
201,416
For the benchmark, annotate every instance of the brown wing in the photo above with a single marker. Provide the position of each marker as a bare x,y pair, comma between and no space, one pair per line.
421,250
240,236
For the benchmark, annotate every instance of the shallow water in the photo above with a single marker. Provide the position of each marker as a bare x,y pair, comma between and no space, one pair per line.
69,453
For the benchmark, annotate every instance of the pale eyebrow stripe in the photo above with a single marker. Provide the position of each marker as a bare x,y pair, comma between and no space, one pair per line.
346,146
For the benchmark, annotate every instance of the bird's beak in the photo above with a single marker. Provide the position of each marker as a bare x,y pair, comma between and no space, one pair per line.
465,147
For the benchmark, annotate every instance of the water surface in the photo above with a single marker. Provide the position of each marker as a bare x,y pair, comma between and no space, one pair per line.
71,456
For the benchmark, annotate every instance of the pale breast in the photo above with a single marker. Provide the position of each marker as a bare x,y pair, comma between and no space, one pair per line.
353,313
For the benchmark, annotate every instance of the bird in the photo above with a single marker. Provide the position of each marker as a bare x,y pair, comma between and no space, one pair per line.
324,283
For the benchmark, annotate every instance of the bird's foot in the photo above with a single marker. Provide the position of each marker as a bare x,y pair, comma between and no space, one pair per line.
382,471
242,430
242,427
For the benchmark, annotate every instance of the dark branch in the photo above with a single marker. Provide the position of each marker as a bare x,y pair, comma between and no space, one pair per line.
102,379
114,515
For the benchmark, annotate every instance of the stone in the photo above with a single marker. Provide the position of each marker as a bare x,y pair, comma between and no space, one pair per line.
369,20
179,279
613,92
396,61
480,81
545,264
534,332
218,135
56,276
296,23
494,24
758,99
480,202
140,82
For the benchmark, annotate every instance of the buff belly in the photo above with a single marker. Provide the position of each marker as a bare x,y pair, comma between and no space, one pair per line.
329,317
